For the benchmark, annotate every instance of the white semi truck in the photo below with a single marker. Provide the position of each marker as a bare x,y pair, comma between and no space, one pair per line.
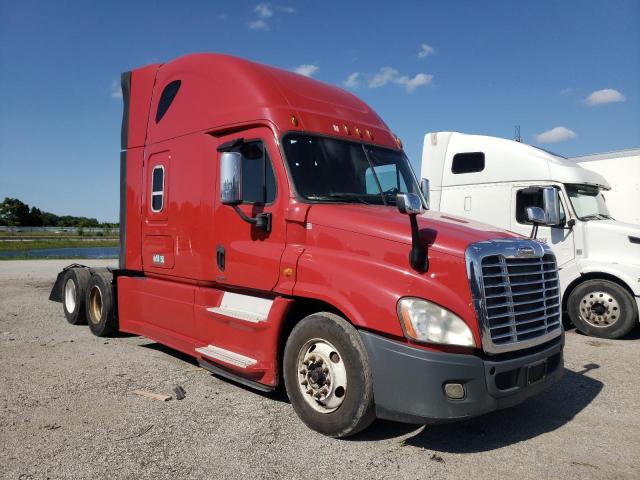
497,181
622,171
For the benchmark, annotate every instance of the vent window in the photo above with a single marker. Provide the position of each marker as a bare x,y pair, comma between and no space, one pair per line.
168,95
157,188
468,162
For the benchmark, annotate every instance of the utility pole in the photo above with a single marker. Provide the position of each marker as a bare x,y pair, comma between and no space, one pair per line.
517,137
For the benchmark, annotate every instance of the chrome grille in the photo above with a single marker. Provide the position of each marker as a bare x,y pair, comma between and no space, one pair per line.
522,297
516,293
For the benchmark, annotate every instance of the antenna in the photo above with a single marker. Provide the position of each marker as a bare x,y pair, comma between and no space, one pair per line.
517,137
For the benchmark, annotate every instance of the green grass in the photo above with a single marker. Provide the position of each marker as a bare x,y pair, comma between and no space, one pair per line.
12,246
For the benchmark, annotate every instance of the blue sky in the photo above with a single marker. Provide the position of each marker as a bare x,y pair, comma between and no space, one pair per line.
568,72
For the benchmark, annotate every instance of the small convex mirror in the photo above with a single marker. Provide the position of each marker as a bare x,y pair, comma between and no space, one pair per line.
230,178
409,203
536,215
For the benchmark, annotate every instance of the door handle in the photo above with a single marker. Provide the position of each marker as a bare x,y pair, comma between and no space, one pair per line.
220,257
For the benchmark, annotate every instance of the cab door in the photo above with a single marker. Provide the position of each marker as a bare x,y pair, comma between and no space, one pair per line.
247,256
560,239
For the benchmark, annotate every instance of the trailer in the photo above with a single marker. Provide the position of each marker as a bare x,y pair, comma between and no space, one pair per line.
272,228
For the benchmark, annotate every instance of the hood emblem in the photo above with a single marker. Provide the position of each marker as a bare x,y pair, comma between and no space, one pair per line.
525,252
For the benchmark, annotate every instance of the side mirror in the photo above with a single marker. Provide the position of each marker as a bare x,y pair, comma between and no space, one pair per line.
409,203
551,202
536,215
230,178
424,188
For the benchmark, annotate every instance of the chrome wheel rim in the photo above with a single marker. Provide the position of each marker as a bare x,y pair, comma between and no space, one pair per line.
599,309
95,304
70,295
322,375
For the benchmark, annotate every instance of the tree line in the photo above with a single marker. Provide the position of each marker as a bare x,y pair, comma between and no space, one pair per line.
15,213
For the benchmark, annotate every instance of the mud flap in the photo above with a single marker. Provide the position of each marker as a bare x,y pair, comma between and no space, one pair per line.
56,291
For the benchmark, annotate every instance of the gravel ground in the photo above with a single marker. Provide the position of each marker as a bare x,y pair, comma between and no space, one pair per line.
67,411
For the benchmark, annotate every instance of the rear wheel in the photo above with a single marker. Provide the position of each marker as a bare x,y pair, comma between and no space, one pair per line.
74,286
602,308
327,376
100,307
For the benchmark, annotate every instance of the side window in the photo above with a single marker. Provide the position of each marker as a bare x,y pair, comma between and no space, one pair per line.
388,176
168,94
467,162
157,188
258,180
531,197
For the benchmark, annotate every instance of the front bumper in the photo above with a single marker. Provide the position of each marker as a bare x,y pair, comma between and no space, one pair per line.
408,382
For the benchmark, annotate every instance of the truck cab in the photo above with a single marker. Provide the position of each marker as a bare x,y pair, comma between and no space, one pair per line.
495,180
272,228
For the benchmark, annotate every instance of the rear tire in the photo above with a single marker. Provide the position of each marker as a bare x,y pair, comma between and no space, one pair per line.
602,308
325,356
74,286
99,305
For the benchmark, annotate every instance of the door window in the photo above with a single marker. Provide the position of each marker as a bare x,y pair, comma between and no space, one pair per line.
258,180
531,197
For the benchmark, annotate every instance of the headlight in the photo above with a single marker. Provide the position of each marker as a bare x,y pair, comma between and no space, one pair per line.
427,322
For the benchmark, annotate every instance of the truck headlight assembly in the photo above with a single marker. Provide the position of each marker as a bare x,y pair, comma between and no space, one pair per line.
427,322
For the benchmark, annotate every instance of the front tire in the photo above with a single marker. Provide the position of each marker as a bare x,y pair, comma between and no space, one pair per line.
100,306
328,377
602,308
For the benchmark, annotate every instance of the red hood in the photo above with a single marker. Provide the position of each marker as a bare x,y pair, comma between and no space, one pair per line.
443,232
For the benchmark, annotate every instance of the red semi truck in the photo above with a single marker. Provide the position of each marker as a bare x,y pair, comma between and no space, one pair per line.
272,227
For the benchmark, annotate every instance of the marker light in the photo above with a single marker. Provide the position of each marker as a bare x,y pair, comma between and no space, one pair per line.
427,322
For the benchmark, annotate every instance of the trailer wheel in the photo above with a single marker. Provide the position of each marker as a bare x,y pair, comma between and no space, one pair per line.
74,286
328,377
602,308
100,306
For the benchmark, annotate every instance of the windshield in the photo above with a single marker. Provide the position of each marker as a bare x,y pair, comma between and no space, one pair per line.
587,201
330,170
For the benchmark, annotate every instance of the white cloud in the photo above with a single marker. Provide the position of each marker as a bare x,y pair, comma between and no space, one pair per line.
555,135
384,76
565,92
425,50
391,75
263,10
602,97
412,83
259,25
306,69
352,80
116,89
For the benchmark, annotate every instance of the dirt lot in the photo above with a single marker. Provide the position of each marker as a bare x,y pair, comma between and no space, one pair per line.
67,411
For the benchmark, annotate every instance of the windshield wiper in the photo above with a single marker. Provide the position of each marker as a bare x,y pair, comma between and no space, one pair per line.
591,217
339,197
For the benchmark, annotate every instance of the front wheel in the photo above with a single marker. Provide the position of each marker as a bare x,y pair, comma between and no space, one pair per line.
328,377
602,308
